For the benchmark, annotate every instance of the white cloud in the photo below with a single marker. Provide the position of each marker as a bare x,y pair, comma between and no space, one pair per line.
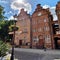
10,12
55,17
52,10
46,6
19,4
11,18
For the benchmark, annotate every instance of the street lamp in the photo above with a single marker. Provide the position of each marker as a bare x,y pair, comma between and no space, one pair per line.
14,29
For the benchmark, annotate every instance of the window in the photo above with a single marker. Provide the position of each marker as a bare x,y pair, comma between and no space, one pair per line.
33,22
35,39
34,30
25,31
41,37
47,38
45,20
23,23
39,29
39,21
46,28
25,37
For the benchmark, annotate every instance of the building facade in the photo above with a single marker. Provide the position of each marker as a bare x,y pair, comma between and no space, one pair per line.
38,30
57,27
58,12
22,36
41,28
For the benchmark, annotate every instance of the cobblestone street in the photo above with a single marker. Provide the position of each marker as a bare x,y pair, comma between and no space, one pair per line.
28,54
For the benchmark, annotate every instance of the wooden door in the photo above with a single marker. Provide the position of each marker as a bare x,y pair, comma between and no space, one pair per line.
20,42
40,43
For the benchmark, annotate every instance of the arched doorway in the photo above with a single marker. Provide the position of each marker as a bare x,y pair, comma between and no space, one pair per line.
57,43
40,42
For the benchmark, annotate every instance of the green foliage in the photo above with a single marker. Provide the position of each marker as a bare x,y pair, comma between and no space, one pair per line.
3,29
12,28
4,25
1,13
11,25
3,48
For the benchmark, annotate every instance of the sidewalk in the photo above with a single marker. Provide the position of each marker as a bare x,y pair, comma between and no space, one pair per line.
39,51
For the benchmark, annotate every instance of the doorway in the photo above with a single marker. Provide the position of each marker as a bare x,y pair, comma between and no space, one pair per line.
57,43
20,42
40,44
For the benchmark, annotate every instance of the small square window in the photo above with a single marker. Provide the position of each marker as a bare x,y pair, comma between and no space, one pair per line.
45,20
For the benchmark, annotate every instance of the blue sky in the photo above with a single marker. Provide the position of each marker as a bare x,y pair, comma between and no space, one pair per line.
12,7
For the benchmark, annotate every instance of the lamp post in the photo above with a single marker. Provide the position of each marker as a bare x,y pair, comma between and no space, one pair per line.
14,29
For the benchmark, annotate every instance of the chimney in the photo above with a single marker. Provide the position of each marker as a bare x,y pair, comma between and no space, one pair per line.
39,6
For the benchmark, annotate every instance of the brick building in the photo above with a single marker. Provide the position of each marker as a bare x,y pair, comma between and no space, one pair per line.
55,25
41,28
57,28
22,36
58,12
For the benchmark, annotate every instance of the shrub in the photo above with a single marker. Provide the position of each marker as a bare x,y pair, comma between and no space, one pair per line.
3,48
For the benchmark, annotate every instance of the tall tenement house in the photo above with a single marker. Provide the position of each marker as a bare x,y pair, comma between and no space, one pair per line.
22,36
41,28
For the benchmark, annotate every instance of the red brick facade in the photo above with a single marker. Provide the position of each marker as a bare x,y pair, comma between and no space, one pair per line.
58,12
39,30
22,36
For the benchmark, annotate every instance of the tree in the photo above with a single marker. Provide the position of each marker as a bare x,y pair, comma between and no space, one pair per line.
6,26
12,28
4,29
1,13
